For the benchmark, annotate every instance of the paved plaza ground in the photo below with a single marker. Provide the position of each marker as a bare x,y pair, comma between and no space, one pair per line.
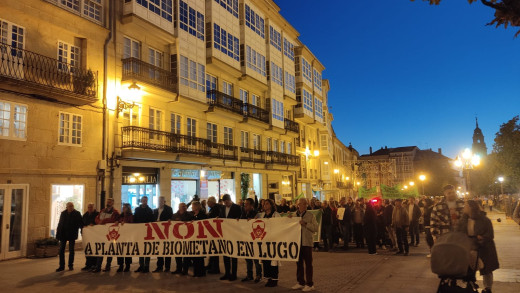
352,271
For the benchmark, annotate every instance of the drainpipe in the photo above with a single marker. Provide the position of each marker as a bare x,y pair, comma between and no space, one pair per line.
105,108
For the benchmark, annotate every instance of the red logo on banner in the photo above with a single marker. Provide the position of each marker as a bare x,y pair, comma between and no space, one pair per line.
113,232
258,230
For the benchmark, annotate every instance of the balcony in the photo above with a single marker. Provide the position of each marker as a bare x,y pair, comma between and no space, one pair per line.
149,139
134,68
43,76
224,101
282,159
256,113
251,155
340,184
291,125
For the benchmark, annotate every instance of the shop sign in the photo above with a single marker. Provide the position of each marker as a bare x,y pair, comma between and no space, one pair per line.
211,175
182,173
139,179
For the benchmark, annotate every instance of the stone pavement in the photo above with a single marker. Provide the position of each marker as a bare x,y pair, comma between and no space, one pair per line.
352,271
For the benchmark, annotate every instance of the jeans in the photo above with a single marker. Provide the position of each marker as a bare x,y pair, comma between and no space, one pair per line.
346,234
214,264
71,252
414,232
258,267
230,264
358,234
326,234
144,262
270,271
391,235
124,260
164,261
305,257
400,234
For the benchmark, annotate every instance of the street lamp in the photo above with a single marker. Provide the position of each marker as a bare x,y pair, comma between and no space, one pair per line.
467,161
501,180
422,177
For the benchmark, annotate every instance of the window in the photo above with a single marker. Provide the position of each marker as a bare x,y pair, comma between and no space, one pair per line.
244,139
131,48
230,5
226,42
212,132
317,79
318,104
175,121
256,100
13,35
307,101
269,141
255,22
324,142
275,38
290,83
282,147
191,20
131,116
192,74
227,88
244,96
68,57
289,148
162,8
277,110
257,142
70,129
211,82
155,122
90,9
275,145
228,136
288,49
156,59
13,120
255,60
276,74
61,194
191,125
306,70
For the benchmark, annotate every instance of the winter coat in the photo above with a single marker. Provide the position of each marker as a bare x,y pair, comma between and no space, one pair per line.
309,229
126,218
387,214
440,221
486,247
90,218
143,214
107,216
400,217
166,214
214,211
69,225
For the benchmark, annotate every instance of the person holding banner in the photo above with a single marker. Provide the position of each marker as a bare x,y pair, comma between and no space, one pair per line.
163,213
214,211
230,210
143,214
182,215
125,217
270,267
309,227
198,262
89,219
106,216
250,213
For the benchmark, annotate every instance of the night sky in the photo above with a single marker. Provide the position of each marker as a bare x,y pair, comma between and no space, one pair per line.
406,73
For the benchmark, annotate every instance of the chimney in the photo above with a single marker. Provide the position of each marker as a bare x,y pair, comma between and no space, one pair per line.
440,151
370,150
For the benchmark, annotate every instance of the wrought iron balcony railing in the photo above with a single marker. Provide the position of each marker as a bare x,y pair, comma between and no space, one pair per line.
221,100
291,125
32,68
282,159
150,139
134,68
256,113
251,155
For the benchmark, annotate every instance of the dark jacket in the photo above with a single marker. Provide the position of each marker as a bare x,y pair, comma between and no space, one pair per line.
90,218
187,216
214,211
486,247
69,225
143,215
283,209
370,219
129,218
414,217
166,214
234,213
200,216
347,216
326,217
387,214
251,215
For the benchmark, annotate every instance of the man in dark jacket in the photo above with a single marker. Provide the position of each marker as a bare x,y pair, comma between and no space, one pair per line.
230,211
387,215
68,226
249,213
89,219
143,214
414,212
214,212
326,226
183,215
163,213
283,207
345,223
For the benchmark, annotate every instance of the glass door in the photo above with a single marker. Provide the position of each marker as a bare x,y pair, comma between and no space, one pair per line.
13,221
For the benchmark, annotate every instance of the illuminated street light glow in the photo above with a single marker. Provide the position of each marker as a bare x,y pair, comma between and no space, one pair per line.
336,171
326,163
316,153
501,179
422,177
412,183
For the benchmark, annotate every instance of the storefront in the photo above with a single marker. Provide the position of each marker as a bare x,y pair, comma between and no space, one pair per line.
184,185
219,183
139,182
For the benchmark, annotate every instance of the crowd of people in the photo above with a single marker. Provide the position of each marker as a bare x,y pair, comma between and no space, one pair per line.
394,225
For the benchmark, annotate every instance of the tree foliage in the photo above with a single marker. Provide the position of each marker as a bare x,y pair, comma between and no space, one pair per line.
506,152
507,12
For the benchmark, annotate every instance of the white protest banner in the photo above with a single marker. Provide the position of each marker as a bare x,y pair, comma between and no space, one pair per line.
269,239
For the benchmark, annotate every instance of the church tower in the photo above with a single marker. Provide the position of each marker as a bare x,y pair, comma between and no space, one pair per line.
479,146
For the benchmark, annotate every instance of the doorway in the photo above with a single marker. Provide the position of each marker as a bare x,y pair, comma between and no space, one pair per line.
13,220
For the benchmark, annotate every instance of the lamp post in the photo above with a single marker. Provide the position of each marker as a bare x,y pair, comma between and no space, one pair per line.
467,161
422,177
501,180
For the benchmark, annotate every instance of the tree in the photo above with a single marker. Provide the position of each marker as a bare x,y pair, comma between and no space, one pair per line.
437,169
506,153
507,12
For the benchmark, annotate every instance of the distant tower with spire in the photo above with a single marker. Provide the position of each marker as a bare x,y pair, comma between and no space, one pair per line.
479,146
